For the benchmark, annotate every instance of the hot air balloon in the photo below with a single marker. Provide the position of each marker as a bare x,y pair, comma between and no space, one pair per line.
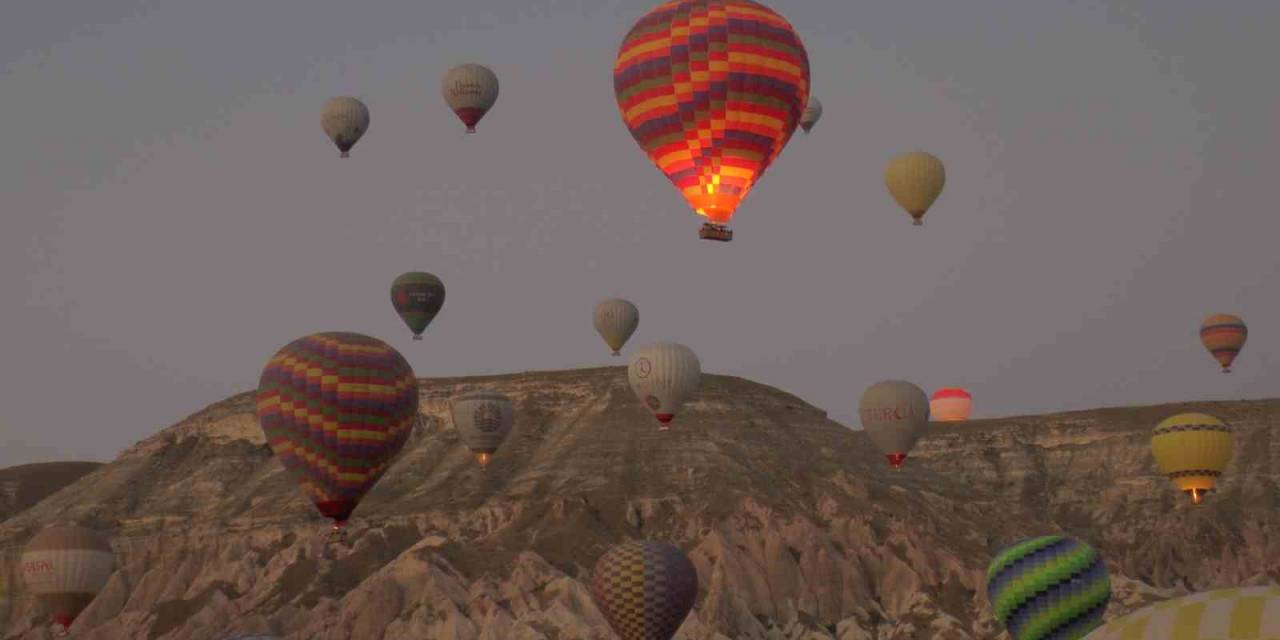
1223,335
6,599
1247,613
951,404
644,589
470,90
65,566
417,297
812,114
663,375
335,409
344,120
615,320
483,420
1192,449
1048,587
915,180
712,90
894,415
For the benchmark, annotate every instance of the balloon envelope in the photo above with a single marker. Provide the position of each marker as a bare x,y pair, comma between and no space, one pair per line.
951,404
335,409
645,590
812,114
894,415
615,320
1224,336
470,90
345,120
1192,450
1048,587
483,420
663,375
1249,613
417,297
65,567
915,180
712,90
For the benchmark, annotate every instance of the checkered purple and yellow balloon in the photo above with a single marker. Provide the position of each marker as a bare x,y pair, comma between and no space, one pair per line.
644,589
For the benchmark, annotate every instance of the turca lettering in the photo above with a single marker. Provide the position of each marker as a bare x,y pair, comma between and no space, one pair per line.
887,413
37,566
461,88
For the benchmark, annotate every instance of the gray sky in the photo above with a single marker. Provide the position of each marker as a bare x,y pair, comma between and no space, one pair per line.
173,213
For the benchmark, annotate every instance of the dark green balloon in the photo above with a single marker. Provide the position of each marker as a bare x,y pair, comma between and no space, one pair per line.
417,297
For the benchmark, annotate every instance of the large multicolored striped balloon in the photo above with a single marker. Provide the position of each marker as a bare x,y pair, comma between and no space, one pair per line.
1193,450
336,408
1251,613
1048,588
1223,335
951,404
712,90
417,297
644,589
64,567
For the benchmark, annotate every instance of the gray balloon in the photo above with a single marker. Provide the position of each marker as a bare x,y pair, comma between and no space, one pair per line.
894,415
483,420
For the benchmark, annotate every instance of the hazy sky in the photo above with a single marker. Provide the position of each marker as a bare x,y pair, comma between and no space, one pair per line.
173,213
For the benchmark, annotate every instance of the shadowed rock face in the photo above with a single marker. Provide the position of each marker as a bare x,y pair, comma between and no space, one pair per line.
797,527
25,485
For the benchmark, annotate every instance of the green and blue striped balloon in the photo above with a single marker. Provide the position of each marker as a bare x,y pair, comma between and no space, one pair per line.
1049,588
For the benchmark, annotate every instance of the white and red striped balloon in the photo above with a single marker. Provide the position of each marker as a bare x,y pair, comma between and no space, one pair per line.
951,404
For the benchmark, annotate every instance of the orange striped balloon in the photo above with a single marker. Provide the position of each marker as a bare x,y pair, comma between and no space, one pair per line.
1223,335
712,90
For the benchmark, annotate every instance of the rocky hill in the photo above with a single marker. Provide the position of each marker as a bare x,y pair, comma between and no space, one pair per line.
797,527
25,485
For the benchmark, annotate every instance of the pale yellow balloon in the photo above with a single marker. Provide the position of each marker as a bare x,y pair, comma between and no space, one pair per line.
1247,613
915,179
470,90
663,375
345,120
615,320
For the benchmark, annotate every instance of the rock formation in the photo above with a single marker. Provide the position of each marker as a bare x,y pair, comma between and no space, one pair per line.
798,529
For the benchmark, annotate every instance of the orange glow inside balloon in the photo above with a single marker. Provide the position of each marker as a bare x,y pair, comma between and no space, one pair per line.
712,90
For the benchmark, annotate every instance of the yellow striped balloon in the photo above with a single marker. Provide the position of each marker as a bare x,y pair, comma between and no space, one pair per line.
1250,613
1223,335
712,90
1192,449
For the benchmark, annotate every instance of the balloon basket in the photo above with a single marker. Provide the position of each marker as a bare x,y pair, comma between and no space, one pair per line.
337,534
417,337
344,154
716,232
